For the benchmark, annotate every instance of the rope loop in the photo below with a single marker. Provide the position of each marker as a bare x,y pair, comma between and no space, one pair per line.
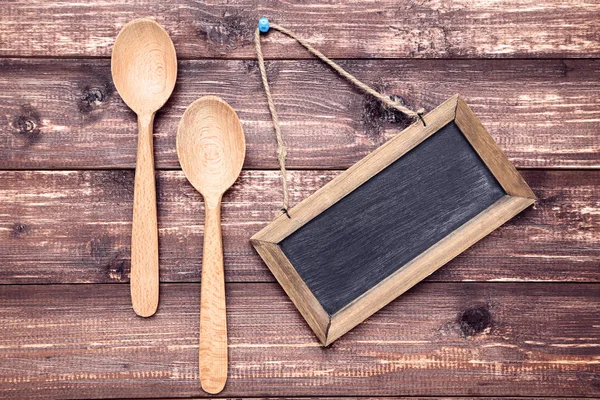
263,27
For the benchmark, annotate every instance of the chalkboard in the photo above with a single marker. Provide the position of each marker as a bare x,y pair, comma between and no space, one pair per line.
392,219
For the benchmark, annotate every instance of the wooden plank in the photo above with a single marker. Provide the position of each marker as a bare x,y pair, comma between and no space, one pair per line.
75,226
390,398
66,113
352,29
460,339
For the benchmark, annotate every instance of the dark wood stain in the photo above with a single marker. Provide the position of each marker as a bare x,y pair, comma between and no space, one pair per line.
376,117
392,218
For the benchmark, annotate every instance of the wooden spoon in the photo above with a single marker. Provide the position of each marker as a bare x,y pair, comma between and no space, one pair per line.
211,149
144,69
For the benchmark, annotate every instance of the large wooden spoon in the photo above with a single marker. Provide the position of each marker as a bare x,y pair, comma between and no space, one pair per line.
211,149
144,69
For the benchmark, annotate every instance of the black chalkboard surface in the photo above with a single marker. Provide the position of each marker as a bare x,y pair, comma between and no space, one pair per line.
392,219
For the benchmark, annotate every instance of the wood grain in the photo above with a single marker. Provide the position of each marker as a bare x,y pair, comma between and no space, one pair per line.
213,311
75,227
386,398
144,276
353,29
461,339
66,113
389,398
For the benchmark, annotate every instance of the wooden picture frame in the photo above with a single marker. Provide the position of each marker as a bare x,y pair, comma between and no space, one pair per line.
330,326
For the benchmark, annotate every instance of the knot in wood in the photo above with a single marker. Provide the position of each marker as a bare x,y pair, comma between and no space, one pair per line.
94,96
475,320
18,230
25,125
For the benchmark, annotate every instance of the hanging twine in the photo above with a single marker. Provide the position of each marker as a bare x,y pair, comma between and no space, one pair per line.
263,27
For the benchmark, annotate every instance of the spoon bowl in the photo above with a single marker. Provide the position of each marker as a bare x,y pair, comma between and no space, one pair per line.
144,65
211,146
211,149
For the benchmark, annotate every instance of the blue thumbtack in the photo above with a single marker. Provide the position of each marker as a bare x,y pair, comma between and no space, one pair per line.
263,25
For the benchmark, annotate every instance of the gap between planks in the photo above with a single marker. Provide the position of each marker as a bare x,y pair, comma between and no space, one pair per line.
368,397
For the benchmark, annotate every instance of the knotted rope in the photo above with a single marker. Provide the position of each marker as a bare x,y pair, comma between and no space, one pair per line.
264,26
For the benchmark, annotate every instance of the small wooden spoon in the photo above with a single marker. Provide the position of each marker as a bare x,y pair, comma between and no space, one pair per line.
211,149
144,69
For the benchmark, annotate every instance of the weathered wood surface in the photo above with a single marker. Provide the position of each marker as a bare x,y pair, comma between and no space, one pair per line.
460,339
389,398
75,227
66,113
538,97
352,29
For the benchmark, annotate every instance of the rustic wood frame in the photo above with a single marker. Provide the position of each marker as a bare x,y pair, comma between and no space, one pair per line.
327,327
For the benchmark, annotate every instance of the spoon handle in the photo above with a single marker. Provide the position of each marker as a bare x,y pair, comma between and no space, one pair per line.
144,234
213,320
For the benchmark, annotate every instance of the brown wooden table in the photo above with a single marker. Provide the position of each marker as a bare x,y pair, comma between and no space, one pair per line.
516,315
